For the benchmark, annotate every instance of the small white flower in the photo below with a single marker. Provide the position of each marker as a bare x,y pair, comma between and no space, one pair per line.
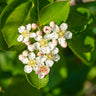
34,26
28,69
47,29
56,29
61,40
31,47
63,26
31,55
52,24
38,38
25,53
32,35
55,51
20,38
41,75
25,60
49,63
21,29
68,35
56,58
28,27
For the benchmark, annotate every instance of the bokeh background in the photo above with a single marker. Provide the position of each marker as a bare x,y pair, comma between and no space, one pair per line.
71,76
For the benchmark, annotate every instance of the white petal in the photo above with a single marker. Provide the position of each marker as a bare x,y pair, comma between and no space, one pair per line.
56,28
31,47
25,53
21,29
68,35
32,35
64,44
55,51
25,60
56,58
51,45
54,36
45,50
43,58
37,45
41,75
31,55
63,26
20,38
26,39
28,27
49,63
38,38
48,37
28,69
61,40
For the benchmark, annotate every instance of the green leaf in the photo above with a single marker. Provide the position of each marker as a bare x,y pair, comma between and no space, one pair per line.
33,80
83,45
57,11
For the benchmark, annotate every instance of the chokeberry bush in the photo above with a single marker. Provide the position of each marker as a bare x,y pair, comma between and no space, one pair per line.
50,44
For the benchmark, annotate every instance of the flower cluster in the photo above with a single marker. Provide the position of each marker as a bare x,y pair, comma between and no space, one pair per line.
42,54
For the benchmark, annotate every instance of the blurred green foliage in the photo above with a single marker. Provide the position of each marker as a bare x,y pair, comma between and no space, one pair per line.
73,75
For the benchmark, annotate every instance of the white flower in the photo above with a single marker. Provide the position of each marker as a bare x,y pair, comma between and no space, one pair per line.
56,57
63,26
61,40
34,26
41,75
48,37
31,47
55,51
20,38
47,29
31,55
68,35
21,29
49,63
25,60
25,53
28,69
32,35
28,27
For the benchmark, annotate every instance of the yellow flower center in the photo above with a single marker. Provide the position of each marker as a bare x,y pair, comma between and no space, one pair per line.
25,34
50,56
31,62
61,33
43,42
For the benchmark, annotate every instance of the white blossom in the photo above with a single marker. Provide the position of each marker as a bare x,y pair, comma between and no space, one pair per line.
47,29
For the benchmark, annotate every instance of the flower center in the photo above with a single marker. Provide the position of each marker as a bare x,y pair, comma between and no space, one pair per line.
61,33
43,42
25,34
50,56
31,62
43,69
